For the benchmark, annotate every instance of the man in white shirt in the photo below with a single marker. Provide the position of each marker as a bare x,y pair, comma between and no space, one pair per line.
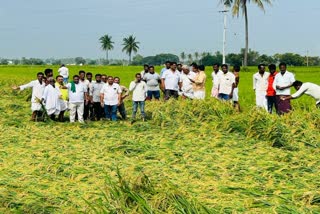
37,92
64,72
170,81
153,80
110,98
51,99
226,83
186,84
167,67
78,96
139,91
215,75
260,86
95,97
307,88
282,83
145,70
124,94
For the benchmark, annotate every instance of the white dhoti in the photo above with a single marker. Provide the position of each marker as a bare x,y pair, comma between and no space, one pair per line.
76,108
261,100
35,106
235,95
51,97
199,95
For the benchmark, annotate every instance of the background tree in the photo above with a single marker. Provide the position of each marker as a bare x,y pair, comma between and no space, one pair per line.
130,45
190,59
196,56
241,5
106,44
80,60
182,57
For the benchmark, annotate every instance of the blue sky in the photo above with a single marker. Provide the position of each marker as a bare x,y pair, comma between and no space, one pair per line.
70,28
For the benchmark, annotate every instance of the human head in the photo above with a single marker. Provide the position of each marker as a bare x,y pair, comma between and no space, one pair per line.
185,69
116,80
195,67
110,80
272,68
236,68
179,67
82,74
297,84
45,80
173,66
48,72
168,64
51,81
59,79
62,65
98,78
202,68
146,68
138,77
224,68
89,76
261,68
76,79
283,67
216,67
40,76
151,69
104,78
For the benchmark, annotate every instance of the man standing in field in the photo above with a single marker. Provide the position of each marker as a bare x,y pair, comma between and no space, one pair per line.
170,81
226,83
271,93
139,89
124,94
235,96
215,75
64,96
199,82
64,72
186,84
37,92
167,67
78,96
51,98
153,80
307,88
145,70
110,99
95,97
282,83
260,86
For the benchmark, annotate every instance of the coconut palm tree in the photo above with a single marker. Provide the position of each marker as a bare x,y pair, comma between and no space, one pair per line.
190,58
106,44
196,56
241,5
130,45
182,56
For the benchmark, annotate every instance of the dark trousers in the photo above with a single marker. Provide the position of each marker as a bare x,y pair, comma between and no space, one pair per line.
272,101
170,93
122,110
97,110
88,111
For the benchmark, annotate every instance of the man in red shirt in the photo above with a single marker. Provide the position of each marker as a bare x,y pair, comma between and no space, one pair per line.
271,93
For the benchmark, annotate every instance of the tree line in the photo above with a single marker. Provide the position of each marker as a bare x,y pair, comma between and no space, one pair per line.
205,58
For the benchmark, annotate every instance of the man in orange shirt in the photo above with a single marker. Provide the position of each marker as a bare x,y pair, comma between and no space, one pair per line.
271,93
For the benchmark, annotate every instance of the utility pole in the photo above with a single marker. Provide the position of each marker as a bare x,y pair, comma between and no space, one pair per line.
224,41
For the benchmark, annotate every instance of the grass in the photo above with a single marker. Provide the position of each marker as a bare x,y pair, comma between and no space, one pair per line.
189,157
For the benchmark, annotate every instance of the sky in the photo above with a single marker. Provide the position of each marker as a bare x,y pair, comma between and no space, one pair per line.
71,28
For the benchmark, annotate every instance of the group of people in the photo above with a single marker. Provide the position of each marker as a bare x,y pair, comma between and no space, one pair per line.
272,88
89,99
